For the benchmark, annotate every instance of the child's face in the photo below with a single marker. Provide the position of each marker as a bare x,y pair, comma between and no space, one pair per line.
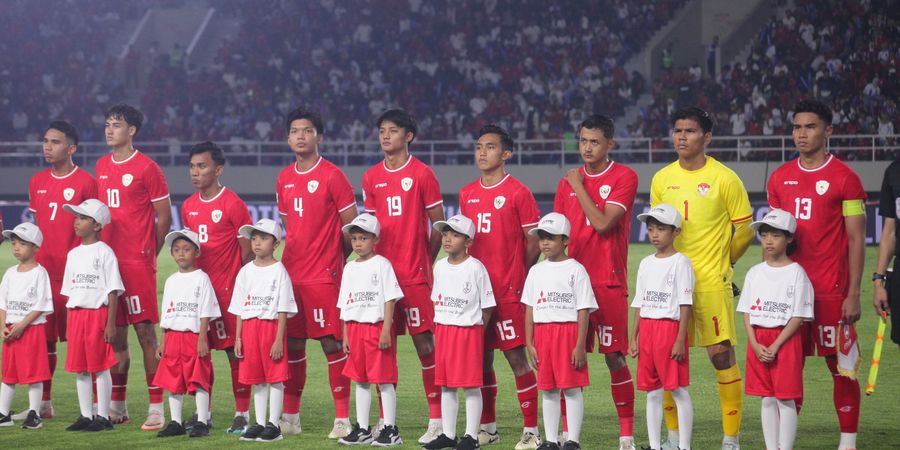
263,244
661,236
454,243
85,226
552,246
363,243
774,243
22,250
185,253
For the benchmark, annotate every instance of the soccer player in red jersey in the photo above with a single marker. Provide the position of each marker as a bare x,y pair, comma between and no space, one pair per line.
405,195
503,210
315,200
828,201
216,213
63,182
597,199
134,188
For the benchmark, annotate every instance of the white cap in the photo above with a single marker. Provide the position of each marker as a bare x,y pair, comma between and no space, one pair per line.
366,222
458,223
93,208
553,223
779,219
27,232
267,226
665,213
185,233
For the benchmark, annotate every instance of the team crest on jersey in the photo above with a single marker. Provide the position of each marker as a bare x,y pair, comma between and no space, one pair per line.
572,280
68,193
822,187
467,287
703,189
312,186
96,264
790,292
197,293
604,191
670,280
216,215
406,183
32,292
374,279
274,285
127,179
499,201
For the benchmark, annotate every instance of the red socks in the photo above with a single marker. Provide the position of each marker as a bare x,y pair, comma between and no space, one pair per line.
432,392
622,389
241,391
340,385
846,398
48,385
156,394
489,398
119,385
526,389
293,387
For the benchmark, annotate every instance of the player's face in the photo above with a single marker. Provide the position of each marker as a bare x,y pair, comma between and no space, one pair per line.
553,246
810,132
263,244
393,138
661,236
774,244
594,146
689,138
184,253
118,133
303,138
85,226
57,148
454,243
363,244
204,171
489,153
22,251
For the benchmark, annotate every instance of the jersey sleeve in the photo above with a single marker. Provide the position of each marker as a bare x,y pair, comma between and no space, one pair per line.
66,287
656,189
237,295
4,293
341,191
528,289
772,191
639,287
584,295
684,282
368,201
209,306
527,208
737,202
485,289
44,293
391,286
112,275
155,180
887,205
559,200
239,214
280,201
853,195
746,294
625,190
91,190
803,296
31,195
431,189
286,301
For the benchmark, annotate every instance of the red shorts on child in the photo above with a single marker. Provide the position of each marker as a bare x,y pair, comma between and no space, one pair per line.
25,359
86,350
783,378
457,350
181,370
367,363
256,367
554,343
507,328
656,368
416,312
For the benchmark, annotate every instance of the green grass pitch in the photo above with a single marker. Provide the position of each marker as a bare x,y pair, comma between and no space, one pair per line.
818,427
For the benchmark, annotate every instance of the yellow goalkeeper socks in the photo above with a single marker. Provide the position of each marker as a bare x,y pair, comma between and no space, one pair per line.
731,396
670,411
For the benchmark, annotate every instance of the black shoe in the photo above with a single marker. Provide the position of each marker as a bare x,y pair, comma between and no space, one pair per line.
6,421
200,430
467,443
252,433
270,433
172,429
389,436
99,424
189,425
439,442
358,435
33,421
571,445
548,446
80,424
238,426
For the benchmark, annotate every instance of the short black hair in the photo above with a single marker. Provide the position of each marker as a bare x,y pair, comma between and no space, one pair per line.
358,229
599,122
216,153
401,118
546,235
65,128
816,107
131,115
766,228
656,222
703,118
301,113
506,141
182,238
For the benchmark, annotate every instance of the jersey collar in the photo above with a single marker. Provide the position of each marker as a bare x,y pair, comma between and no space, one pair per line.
200,196
827,161
111,158
607,169
75,169
304,172
505,177
408,160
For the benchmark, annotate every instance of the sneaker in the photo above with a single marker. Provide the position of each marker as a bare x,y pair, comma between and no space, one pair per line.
200,430
155,420
467,443
529,441
548,446
119,415
730,443
252,433
189,425
7,420
388,437
172,429
442,441
669,445
358,436
18,417
46,412
99,424
33,421
270,433
238,425
434,431
79,424
485,437
290,424
571,445
379,426
341,428
626,443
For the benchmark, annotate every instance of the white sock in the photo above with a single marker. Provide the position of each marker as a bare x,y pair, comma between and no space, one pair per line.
685,410
449,411
574,412
473,411
363,404
673,437
84,386
201,397
389,403
532,430
489,427
848,440
787,423
276,402
769,416
176,404
35,391
552,412
654,417
260,402
7,392
104,393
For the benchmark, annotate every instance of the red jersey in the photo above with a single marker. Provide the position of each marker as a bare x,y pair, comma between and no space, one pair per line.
216,222
400,199
129,188
47,193
605,256
313,202
500,213
815,197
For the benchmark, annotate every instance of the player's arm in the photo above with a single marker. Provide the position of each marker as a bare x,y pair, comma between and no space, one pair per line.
435,213
112,304
486,316
347,216
678,349
238,327
740,240
532,249
885,254
246,250
602,220
856,237
5,331
163,221
202,339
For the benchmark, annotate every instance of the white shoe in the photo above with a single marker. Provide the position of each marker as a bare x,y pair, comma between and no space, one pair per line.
672,442
19,416
626,443
730,443
341,429
290,424
529,441
155,420
485,437
435,429
118,412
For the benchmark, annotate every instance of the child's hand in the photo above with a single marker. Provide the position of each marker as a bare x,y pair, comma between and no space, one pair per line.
160,351
770,352
532,352
277,350
678,350
238,351
109,335
633,347
202,346
760,352
579,357
384,342
13,332
346,346
5,334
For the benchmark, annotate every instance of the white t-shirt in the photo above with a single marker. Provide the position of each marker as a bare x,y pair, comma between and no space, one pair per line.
460,292
187,298
262,292
92,272
556,291
663,285
365,287
774,295
22,293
